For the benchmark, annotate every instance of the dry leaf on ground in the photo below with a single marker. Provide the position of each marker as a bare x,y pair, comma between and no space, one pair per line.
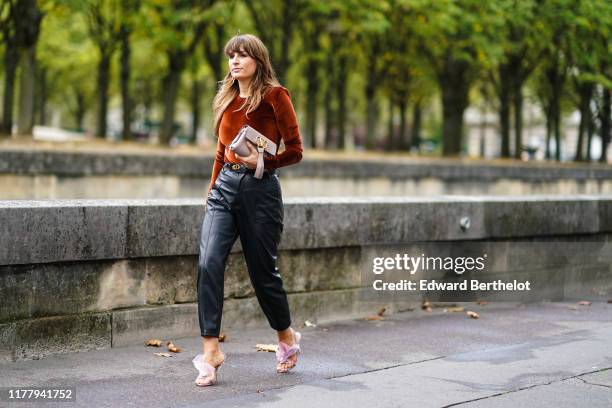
473,315
382,311
222,337
426,304
308,323
163,354
427,309
584,303
375,317
482,302
454,309
153,343
267,347
172,347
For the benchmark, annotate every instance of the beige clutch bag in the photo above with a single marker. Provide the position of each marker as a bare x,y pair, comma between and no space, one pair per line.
247,135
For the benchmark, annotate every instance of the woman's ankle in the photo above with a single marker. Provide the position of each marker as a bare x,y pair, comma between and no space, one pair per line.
287,336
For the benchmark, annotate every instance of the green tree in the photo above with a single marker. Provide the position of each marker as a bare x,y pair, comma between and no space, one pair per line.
176,27
459,40
8,32
523,45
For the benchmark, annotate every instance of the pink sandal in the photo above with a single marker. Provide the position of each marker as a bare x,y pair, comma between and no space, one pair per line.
207,371
285,351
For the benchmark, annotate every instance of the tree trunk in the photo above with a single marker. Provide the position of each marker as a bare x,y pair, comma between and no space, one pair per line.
390,145
549,120
404,143
312,45
416,125
505,98
288,24
341,90
590,132
79,111
556,78
557,128
605,125
518,120
195,108
10,71
42,96
455,86
103,84
585,93
147,98
454,102
371,115
25,121
171,84
126,101
27,20
329,94
370,94
311,102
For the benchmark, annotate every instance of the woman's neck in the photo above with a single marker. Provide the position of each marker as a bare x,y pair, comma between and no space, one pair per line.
244,87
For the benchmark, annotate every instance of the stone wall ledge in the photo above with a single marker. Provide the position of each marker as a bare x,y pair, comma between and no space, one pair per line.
100,163
44,231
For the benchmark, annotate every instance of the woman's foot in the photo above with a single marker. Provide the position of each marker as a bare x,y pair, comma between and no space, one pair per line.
208,364
288,349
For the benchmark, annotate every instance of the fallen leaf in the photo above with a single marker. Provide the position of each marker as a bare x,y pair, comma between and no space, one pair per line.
172,347
375,317
267,347
260,391
308,323
473,315
482,302
584,303
382,311
163,354
427,309
454,309
222,337
153,343
426,304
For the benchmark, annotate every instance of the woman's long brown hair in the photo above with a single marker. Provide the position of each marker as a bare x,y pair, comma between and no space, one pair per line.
263,79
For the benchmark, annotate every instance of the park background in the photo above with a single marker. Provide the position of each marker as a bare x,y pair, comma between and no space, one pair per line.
507,78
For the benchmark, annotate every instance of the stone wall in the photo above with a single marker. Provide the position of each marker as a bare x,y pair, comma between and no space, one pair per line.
83,274
51,174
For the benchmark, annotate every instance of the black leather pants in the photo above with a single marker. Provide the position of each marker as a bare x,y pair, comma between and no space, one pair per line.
241,205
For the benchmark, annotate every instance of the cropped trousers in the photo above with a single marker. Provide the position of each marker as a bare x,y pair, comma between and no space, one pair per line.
241,205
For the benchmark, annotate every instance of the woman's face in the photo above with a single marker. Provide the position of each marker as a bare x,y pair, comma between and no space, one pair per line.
241,65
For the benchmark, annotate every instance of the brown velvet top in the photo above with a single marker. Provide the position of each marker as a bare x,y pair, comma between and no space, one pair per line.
274,117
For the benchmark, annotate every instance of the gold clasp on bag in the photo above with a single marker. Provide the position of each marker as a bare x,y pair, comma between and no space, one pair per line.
261,142
235,167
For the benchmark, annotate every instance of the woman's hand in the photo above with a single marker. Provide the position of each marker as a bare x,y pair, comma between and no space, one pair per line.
251,160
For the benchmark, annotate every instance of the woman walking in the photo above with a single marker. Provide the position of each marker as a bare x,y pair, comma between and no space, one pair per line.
241,204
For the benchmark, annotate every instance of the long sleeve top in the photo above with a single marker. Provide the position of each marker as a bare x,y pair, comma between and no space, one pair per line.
274,117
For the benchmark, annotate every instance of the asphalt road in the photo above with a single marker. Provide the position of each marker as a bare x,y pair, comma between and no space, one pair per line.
537,355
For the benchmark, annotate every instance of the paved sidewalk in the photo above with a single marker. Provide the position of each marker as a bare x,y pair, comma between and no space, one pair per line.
539,355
